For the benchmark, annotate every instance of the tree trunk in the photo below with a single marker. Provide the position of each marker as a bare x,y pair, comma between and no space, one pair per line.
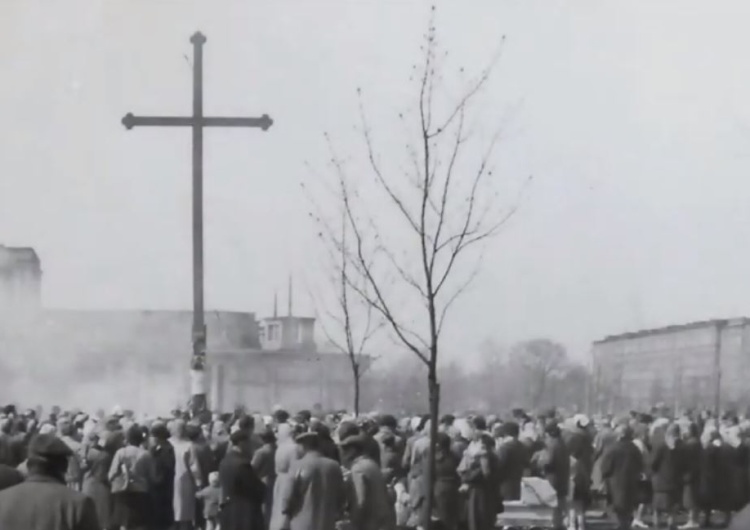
434,391
355,372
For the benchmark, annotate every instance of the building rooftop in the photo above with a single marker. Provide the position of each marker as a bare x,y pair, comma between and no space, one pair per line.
675,328
286,318
13,258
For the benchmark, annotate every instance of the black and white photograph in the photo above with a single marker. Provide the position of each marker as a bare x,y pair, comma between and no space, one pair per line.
374,264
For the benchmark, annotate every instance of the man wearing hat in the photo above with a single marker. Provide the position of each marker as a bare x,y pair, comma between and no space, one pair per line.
316,497
371,508
43,502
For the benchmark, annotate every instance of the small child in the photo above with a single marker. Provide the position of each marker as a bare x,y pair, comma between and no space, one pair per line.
211,497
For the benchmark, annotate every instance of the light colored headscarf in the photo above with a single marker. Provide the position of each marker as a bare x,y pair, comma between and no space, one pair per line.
284,433
733,436
47,428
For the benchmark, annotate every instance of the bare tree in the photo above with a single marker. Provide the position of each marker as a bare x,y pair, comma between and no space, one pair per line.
350,325
442,204
541,361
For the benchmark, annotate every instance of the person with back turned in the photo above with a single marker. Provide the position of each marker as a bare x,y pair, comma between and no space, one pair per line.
43,501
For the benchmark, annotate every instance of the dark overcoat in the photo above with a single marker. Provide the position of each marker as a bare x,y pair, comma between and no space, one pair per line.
483,503
691,469
243,494
513,459
621,467
447,505
9,476
44,503
162,491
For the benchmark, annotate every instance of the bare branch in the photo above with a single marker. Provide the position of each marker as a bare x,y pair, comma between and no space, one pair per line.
456,294
379,174
473,91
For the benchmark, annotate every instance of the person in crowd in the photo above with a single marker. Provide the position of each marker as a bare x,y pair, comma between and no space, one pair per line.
328,447
581,449
187,477
316,497
132,474
206,462
67,432
391,447
645,488
243,492
667,476
371,507
43,501
512,462
211,499
735,466
162,490
621,468
555,467
479,475
691,459
286,455
97,460
264,464
446,509
714,490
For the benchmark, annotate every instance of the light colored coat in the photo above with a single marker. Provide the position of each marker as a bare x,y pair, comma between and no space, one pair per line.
372,508
317,495
286,455
187,476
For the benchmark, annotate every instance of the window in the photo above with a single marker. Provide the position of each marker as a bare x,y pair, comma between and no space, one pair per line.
273,332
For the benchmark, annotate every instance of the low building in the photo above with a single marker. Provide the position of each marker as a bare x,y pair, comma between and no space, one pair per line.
140,358
700,364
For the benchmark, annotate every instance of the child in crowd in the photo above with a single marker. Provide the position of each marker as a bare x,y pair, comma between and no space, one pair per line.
211,496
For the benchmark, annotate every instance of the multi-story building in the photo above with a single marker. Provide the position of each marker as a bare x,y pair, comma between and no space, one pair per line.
700,364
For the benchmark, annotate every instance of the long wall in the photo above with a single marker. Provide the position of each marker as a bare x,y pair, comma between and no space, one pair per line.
678,366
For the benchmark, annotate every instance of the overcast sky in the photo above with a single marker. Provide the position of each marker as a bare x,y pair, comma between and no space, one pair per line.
633,117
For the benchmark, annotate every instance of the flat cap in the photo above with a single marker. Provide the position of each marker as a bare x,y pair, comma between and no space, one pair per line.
48,446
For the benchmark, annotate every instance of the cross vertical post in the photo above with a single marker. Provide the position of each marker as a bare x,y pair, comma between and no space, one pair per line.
199,334
197,122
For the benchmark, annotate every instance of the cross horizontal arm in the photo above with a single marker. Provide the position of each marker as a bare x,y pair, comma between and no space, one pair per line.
264,122
130,121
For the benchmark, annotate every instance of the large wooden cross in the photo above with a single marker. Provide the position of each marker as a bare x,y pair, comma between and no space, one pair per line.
197,122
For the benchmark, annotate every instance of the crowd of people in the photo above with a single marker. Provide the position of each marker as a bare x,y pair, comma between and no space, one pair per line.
315,471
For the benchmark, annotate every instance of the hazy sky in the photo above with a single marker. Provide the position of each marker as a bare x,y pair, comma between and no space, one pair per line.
635,122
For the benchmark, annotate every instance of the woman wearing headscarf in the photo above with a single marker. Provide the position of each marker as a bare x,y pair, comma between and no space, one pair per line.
286,455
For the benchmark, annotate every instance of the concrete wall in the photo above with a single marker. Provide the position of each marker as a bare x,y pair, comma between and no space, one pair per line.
294,380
